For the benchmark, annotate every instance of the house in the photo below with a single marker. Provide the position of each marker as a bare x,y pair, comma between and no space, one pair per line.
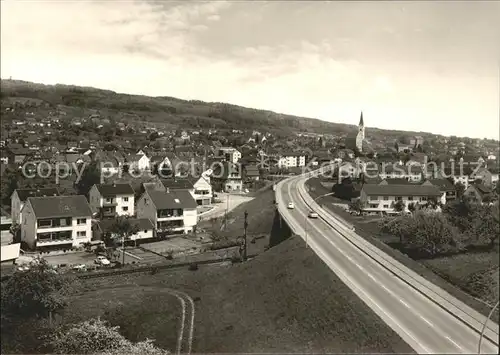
19,197
144,226
56,221
110,162
458,174
18,155
228,176
447,189
200,188
229,154
137,162
480,193
482,174
251,172
393,171
112,199
169,211
159,163
416,141
292,160
382,197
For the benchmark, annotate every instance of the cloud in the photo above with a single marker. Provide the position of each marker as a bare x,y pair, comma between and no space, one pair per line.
319,63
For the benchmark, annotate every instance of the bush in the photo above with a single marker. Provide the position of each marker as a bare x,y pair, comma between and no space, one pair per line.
224,244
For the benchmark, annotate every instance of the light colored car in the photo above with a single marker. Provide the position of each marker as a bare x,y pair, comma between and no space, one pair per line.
102,260
80,267
291,206
313,214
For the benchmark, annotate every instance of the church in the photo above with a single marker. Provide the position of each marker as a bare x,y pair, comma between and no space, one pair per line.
359,143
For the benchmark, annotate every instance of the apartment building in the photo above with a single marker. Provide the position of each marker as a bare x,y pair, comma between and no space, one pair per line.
382,197
292,160
56,221
169,211
230,154
112,200
228,176
20,196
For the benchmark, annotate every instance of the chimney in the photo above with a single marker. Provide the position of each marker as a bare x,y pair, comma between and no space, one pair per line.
168,190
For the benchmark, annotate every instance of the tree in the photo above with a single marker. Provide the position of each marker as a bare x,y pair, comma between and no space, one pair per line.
89,178
97,337
122,228
460,189
356,205
38,292
399,206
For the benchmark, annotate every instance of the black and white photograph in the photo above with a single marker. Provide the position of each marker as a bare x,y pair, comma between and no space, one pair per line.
249,177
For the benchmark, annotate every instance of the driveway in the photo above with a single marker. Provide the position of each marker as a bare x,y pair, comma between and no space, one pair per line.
220,208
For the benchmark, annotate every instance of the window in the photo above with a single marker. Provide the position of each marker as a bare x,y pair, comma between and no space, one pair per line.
145,231
63,222
125,199
81,221
386,198
81,234
386,206
109,200
373,205
423,198
44,223
125,208
410,198
399,198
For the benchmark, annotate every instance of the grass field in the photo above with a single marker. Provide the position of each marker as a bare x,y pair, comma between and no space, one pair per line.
468,277
284,300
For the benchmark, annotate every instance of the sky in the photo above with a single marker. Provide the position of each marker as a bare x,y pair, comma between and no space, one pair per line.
411,65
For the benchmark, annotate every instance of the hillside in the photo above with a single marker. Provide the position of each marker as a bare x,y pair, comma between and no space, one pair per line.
168,110
284,301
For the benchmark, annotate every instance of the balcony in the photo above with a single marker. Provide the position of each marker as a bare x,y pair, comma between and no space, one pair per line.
169,226
54,238
54,223
107,212
173,214
109,202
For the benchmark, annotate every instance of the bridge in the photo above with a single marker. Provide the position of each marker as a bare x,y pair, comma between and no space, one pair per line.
428,318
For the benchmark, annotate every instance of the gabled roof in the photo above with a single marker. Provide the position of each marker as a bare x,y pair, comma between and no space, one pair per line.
110,190
23,194
178,184
401,190
172,199
134,157
443,184
60,206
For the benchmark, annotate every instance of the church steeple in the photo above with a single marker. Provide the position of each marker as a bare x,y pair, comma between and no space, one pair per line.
361,123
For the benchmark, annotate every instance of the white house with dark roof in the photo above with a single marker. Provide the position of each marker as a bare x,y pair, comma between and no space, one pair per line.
168,210
200,188
112,199
382,197
137,162
19,197
57,221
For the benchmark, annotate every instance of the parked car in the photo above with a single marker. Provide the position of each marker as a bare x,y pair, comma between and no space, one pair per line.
80,267
313,214
291,206
102,260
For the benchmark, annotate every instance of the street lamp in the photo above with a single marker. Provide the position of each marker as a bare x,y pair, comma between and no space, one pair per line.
306,220
484,327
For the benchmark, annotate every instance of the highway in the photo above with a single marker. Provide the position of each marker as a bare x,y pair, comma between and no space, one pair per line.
424,324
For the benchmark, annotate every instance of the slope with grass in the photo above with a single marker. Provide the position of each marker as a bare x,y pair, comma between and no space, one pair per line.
284,300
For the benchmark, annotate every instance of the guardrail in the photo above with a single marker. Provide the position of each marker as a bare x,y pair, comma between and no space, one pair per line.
466,314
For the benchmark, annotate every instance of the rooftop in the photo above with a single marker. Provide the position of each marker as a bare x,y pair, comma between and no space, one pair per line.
23,194
401,190
60,206
109,190
172,199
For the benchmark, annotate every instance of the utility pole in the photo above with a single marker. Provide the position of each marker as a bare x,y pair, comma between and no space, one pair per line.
227,209
245,225
123,250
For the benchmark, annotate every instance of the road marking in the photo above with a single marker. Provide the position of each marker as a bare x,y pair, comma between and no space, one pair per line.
458,346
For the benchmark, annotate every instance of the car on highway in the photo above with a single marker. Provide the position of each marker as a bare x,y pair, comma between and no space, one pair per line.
102,260
291,206
312,214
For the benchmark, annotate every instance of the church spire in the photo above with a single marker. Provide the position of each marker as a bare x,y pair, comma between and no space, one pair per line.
361,123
